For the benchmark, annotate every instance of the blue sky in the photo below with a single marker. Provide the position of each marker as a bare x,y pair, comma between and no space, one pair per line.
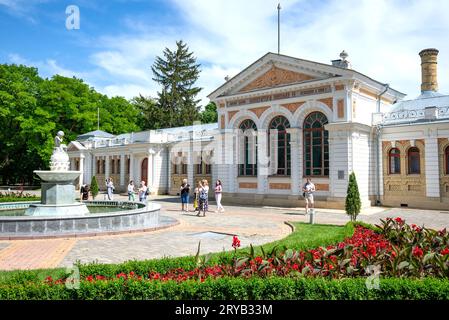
118,40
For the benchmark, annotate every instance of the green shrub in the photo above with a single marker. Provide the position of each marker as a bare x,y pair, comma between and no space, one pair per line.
94,187
8,199
353,203
274,288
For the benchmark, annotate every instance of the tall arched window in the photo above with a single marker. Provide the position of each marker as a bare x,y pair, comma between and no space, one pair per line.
282,141
413,161
394,160
446,159
248,167
316,145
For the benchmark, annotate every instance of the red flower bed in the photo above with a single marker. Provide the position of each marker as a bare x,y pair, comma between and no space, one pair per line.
397,250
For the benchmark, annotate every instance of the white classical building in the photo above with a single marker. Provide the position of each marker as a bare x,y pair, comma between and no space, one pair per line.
284,119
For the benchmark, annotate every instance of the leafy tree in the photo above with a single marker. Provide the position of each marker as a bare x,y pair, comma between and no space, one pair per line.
150,115
353,203
94,187
177,73
209,115
33,109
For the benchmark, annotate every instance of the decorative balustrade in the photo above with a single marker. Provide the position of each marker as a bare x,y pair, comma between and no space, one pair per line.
414,115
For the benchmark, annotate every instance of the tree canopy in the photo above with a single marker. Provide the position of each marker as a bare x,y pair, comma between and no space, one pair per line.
33,109
177,73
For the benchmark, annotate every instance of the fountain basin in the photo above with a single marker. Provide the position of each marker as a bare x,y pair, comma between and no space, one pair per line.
57,176
143,218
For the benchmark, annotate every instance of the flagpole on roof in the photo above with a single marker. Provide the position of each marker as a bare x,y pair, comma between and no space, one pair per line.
279,27
98,118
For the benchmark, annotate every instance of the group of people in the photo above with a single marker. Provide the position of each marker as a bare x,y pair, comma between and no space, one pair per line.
200,196
143,191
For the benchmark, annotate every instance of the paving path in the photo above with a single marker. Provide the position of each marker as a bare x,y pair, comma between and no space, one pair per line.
255,225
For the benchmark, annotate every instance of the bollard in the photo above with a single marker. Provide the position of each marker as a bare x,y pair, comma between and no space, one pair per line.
312,216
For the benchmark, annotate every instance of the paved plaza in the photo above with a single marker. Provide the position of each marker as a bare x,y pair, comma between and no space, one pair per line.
253,225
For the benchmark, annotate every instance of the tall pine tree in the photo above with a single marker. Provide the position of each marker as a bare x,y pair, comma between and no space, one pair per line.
353,203
177,73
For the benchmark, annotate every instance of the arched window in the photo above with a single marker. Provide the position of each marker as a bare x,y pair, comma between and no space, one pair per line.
282,141
316,145
394,160
248,167
446,159
413,161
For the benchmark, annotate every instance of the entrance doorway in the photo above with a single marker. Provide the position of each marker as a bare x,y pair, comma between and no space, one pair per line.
144,171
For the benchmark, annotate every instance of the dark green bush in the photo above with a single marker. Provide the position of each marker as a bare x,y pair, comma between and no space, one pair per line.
237,289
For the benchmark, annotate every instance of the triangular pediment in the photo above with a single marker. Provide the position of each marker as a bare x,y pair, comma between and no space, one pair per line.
275,77
272,71
75,146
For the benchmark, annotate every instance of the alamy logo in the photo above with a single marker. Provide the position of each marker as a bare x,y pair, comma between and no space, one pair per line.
373,281
72,22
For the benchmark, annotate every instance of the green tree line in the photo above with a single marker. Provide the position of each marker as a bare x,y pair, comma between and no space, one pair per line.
33,109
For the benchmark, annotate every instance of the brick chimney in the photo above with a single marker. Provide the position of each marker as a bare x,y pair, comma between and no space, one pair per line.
429,63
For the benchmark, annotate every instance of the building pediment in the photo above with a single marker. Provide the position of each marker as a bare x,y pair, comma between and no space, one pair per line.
75,146
272,71
275,77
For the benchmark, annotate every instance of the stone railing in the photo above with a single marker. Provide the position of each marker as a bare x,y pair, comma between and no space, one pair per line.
431,113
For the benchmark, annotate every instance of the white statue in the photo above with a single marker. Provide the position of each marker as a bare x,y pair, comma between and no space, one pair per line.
58,142
59,159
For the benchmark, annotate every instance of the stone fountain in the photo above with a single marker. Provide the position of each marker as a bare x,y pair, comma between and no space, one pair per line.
58,189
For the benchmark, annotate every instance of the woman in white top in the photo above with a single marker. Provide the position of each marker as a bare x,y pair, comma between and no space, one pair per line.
218,195
110,187
203,197
131,192
142,192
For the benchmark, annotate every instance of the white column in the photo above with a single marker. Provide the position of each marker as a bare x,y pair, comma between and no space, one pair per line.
190,167
122,169
81,180
262,162
95,165
107,171
295,164
149,177
432,170
131,169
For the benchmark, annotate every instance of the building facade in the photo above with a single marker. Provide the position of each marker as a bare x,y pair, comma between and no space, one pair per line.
282,120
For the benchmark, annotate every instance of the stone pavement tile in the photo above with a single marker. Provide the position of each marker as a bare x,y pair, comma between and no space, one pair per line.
4,245
34,254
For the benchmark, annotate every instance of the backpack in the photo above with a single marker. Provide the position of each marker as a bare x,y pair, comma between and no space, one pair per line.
203,195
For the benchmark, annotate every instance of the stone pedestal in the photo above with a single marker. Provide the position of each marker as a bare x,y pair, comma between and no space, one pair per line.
58,195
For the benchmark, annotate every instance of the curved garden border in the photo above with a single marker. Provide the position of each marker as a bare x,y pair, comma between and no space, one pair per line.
143,218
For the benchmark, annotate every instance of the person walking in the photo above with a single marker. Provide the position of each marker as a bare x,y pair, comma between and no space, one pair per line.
131,192
85,192
110,187
218,195
196,195
203,197
185,192
308,190
142,192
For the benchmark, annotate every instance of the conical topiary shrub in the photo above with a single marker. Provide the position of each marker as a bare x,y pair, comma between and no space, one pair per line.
94,187
353,203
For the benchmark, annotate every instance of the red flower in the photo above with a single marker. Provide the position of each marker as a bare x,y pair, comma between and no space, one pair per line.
259,260
295,267
445,252
417,252
399,220
235,242
90,278
371,250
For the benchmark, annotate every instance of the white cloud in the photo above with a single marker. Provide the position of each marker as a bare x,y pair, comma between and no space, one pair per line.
382,37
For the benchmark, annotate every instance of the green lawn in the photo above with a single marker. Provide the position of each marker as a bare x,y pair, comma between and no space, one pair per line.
304,237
